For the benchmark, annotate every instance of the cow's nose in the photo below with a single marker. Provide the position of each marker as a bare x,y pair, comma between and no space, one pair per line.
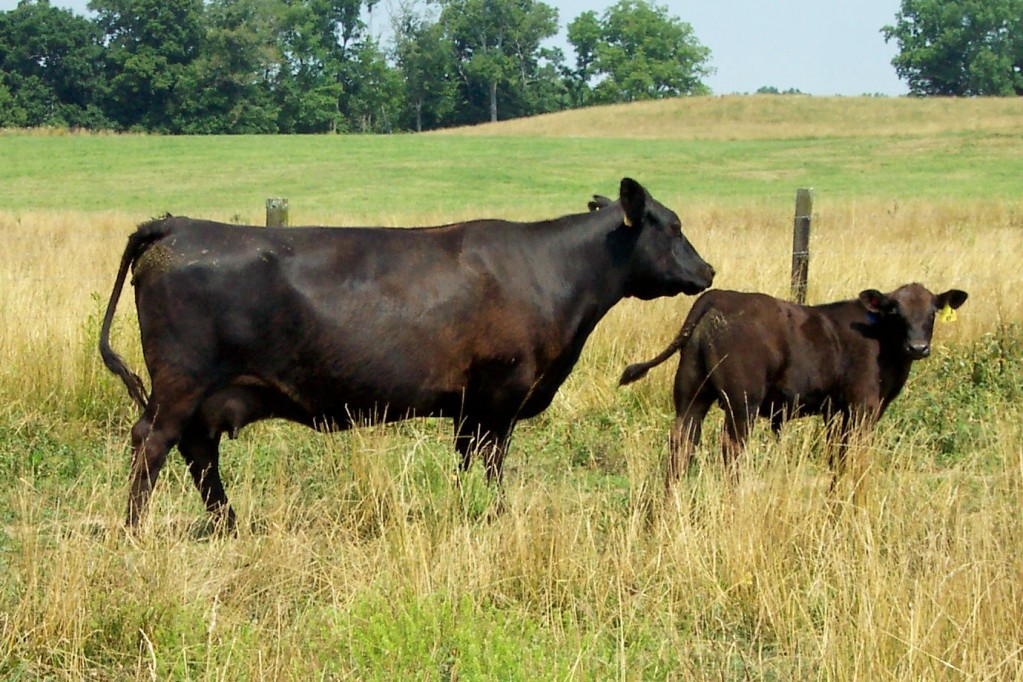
918,349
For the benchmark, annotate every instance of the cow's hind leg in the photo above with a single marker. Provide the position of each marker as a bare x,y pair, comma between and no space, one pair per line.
201,450
155,433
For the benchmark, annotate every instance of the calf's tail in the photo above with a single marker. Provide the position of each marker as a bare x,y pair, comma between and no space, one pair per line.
138,242
638,370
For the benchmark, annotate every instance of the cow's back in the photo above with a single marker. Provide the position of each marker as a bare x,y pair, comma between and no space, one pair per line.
369,314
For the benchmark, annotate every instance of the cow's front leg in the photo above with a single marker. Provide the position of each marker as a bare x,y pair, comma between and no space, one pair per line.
474,436
494,448
467,441
836,442
491,442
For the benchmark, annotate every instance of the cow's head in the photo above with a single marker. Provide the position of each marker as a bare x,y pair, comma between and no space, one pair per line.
908,312
660,260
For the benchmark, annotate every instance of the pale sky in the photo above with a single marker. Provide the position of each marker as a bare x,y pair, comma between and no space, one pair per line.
820,47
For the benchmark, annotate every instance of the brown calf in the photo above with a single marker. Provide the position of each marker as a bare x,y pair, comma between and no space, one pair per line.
756,355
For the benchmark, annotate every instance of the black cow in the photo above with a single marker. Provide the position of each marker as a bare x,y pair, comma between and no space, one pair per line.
479,321
757,355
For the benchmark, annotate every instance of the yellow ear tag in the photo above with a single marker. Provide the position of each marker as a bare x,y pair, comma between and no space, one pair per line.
628,223
947,314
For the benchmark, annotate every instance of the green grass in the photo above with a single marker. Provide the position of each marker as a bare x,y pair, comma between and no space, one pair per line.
385,179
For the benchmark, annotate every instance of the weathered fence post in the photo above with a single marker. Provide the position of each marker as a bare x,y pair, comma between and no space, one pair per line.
801,244
276,212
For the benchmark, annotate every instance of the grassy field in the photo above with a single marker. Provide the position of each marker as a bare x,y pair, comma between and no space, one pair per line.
358,557
733,151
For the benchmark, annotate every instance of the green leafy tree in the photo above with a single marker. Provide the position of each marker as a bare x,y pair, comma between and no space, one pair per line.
305,91
11,116
426,62
326,54
227,88
771,90
546,89
150,45
959,47
372,100
637,51
50,68
497,46
585,33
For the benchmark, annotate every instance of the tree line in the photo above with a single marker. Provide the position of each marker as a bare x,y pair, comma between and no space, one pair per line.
312,66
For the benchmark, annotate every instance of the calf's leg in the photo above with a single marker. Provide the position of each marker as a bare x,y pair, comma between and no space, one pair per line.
692,396
468,438
491,442
683,439
849,457
739,415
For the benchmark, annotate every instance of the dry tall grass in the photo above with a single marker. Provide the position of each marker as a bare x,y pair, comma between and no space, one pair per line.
358,560
742,117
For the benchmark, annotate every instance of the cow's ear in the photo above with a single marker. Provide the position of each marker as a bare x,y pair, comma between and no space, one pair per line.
953,298
876,302
599,202
633,198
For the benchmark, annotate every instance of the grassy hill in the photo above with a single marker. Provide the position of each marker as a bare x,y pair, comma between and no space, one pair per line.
770,117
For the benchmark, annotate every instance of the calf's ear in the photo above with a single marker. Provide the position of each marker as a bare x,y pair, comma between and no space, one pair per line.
953,298
633,198
876,302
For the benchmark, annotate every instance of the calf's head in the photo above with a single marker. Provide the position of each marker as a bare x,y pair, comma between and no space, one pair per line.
907,314
659,258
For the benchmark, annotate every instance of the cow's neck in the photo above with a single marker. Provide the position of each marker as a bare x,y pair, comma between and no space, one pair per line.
591,281
579,282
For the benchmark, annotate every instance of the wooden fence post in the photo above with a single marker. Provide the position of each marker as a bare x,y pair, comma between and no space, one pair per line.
801,244
276,212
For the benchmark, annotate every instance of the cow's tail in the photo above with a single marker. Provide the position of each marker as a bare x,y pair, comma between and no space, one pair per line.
138,242
637,371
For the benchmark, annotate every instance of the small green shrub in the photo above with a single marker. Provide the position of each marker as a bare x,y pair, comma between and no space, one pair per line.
953,398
